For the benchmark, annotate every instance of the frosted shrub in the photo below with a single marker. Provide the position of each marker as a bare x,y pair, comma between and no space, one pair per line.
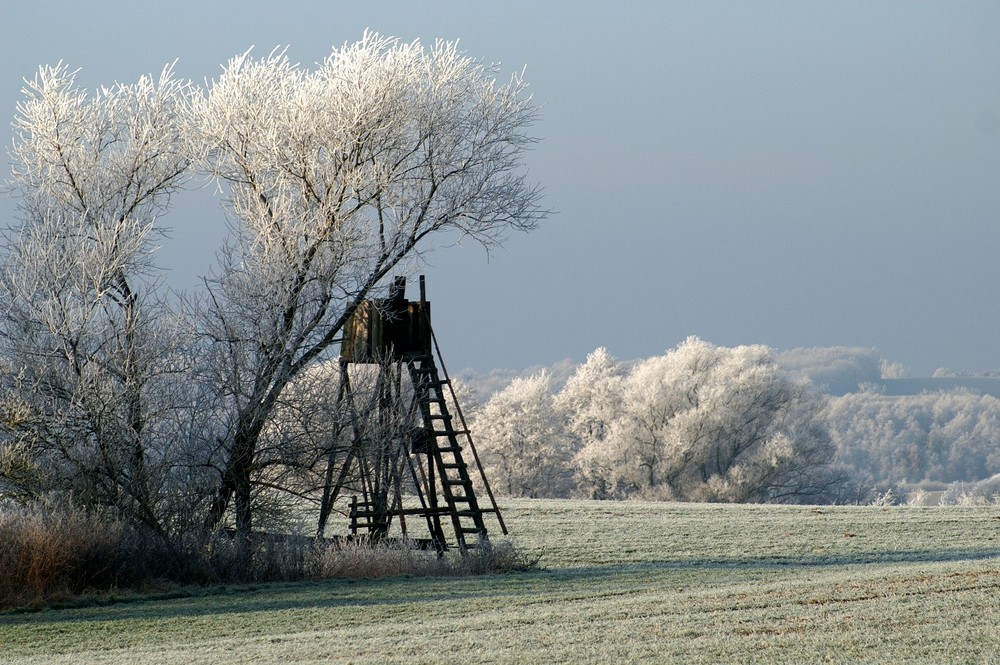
887,498
916,497
961,494
989,489
982,493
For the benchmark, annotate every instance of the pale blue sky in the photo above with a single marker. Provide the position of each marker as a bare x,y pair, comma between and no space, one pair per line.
787,173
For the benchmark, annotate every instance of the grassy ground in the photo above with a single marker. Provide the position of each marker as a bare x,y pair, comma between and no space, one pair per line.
623,582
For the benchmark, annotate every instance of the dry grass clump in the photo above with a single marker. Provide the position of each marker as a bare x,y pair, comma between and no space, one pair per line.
224,557
52,553
376,559
393,558
500,557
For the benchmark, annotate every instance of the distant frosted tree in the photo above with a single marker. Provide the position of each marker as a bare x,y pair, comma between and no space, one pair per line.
335,178
524,445
589,404
835,370
710,423
91,353
941,437
891,370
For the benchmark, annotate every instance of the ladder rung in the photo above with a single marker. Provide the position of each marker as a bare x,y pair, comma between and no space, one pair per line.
453,432
462,499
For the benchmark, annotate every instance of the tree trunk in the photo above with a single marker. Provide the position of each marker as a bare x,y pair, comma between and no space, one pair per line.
236,478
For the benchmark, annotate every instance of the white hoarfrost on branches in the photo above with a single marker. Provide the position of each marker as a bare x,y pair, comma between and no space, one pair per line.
527,452
111,158
591,397
589,404
86,346
710,423
335,178
701,423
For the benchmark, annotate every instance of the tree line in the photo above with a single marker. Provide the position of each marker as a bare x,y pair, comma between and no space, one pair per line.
709,423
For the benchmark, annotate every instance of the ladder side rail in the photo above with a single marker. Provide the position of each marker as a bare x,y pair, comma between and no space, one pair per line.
468,436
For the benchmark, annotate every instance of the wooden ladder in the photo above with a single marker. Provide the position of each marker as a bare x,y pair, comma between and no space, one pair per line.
443,445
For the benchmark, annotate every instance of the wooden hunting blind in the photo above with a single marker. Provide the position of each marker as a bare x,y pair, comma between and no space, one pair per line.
420,467
390,328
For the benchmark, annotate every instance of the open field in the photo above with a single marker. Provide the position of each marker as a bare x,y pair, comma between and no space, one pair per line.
623,582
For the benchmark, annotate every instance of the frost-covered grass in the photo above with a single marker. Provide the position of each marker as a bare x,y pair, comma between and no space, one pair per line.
622,582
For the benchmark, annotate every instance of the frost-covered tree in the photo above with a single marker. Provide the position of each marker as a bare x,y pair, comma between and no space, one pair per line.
710,423
589,404
336,177
525,447
89,351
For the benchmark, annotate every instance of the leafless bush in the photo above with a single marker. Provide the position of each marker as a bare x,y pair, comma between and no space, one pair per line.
229,557
887,498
